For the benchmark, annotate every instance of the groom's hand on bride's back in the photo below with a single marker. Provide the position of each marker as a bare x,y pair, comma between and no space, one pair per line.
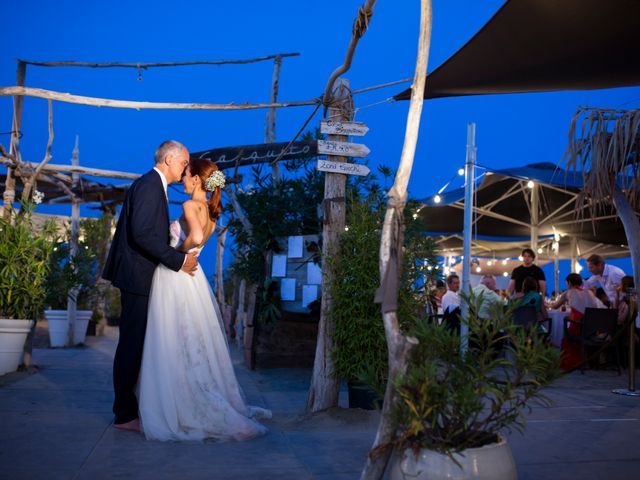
190,264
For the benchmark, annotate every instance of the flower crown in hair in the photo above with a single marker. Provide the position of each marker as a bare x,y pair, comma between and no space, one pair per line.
215,180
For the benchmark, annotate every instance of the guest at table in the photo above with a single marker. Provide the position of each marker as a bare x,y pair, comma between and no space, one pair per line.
487,290
527,269
608,276
578,299
622,298
451,299
451,304
531,296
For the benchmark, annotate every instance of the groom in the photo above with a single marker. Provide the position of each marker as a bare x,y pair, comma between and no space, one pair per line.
140,243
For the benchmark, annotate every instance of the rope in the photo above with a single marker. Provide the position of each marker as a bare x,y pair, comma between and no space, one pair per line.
20,134
381,85
388,100
285,149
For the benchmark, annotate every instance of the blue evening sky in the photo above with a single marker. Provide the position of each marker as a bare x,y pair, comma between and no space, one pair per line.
512,130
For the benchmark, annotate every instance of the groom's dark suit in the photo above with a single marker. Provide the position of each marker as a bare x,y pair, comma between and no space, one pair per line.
140,243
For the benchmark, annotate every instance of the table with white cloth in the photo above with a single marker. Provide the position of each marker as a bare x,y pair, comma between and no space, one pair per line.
557,325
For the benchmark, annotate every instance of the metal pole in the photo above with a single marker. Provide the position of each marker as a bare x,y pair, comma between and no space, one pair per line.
534,218
469,179
73,243
633,310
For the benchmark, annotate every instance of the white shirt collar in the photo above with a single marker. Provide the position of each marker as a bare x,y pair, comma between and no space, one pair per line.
164,180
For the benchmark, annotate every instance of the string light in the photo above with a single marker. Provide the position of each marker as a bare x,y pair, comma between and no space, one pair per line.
461,171
437,198
530,184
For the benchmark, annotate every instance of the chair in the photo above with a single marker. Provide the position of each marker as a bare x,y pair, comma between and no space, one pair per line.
451,319
528,318
525,317
597,329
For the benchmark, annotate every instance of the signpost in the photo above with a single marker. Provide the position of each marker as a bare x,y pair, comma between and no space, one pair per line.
340,167
333,127
343,149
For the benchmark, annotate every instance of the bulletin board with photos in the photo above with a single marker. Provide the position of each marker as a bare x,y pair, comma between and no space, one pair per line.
299,277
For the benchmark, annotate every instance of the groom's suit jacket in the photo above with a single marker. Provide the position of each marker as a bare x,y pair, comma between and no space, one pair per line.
141,240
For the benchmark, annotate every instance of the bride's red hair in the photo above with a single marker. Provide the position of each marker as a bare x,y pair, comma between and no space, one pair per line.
203,167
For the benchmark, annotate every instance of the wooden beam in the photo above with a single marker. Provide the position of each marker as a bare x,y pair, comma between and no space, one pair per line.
144,66
105,102
96,172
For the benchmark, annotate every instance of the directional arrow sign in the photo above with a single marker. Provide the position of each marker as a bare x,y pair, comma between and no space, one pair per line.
343,128
344,149
339,167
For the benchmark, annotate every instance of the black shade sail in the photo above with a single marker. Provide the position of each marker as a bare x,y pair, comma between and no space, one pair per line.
545,45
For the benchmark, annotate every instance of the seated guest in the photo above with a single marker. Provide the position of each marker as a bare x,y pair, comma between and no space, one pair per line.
531,298
434,297
451,299
622,298
530,295
527,269
438,292
608,276
487,289
451,303
578,299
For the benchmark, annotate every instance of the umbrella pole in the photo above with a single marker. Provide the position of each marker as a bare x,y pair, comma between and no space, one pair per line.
469,185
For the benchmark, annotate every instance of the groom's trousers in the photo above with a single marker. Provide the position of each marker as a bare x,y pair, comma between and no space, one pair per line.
126,363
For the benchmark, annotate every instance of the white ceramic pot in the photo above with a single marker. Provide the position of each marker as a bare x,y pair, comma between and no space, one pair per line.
13,333
491,462
58,324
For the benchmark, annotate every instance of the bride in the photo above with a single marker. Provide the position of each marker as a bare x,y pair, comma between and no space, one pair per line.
188,389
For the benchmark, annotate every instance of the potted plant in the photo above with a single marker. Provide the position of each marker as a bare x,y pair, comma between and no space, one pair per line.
69,277
24,262
453,406
360,348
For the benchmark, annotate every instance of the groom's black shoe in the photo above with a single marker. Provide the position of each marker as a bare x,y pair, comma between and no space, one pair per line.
131,426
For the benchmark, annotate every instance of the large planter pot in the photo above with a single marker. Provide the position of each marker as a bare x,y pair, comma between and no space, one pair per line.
491,462
361,396
13,333
58,323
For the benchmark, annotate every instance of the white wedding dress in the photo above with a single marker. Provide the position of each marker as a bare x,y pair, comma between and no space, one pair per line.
188,389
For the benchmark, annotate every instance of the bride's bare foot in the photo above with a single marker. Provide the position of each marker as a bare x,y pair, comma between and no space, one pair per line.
132,426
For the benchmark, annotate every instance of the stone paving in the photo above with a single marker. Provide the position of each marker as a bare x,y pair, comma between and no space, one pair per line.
56,424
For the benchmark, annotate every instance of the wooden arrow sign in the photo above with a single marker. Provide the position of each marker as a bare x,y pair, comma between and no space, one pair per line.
343,128
340,167
344,149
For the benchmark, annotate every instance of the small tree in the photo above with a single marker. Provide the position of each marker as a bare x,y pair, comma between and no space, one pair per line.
605,150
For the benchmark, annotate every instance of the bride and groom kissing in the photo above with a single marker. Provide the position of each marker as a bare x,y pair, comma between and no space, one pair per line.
173,377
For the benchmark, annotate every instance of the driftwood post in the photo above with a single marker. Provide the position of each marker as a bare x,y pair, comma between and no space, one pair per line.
73,243
398,345
270,121
324,389
222,239
14,148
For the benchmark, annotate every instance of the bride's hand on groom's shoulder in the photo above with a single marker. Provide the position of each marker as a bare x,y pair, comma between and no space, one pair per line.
190,264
